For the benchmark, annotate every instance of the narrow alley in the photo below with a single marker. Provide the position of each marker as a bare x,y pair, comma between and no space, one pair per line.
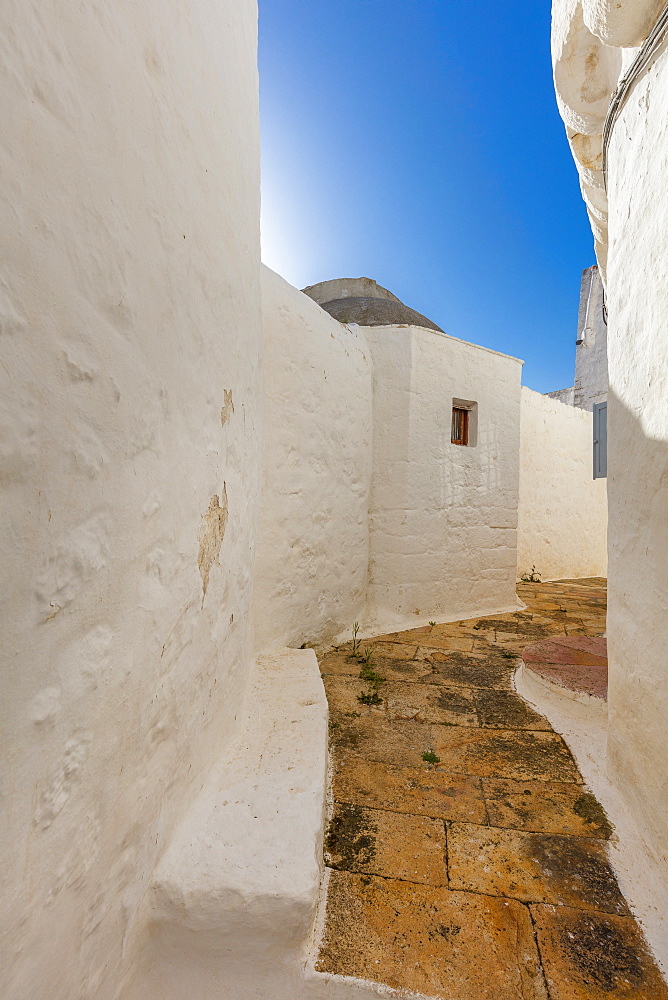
466,858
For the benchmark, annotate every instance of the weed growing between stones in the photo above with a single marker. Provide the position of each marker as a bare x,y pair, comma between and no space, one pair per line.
356,640
369,698
368,674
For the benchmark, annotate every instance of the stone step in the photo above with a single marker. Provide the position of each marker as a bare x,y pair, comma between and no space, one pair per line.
233,901
576,663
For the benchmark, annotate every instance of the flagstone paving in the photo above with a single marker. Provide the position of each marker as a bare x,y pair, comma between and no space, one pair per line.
467,860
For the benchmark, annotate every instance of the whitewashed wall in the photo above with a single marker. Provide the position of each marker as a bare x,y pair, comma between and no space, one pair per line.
130,396
591,352
313,543
638,451
562,520
443,516
634,237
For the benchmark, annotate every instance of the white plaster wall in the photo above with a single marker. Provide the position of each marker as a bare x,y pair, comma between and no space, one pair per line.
591,352
586,71
638,453
129,328
636,247
234,899
313,543
623,23
562,517
443,516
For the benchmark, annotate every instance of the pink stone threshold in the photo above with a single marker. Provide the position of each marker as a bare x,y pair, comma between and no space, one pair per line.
576,662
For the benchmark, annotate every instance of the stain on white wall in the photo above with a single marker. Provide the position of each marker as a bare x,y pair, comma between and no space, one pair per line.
563,511
313,544
129,308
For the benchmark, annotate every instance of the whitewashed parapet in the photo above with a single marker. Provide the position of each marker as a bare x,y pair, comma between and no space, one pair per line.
590,68
621,23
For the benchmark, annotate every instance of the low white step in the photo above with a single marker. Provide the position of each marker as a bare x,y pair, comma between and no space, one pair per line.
233,902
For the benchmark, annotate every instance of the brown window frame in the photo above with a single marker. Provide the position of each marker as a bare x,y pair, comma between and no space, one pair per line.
460,435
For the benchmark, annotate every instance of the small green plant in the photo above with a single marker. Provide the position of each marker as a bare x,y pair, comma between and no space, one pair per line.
371,677
369,698
430,757
353,715
367,673
531,577
334,725
509,655
432,623
356,640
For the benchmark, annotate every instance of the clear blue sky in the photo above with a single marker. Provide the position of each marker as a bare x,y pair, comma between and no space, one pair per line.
418,142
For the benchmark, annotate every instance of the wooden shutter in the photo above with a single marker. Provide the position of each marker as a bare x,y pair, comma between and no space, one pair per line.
460,425
600,440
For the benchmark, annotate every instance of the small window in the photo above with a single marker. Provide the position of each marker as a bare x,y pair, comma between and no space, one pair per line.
460,425
464,426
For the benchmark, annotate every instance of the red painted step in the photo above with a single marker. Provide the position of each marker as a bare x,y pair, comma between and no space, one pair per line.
576,662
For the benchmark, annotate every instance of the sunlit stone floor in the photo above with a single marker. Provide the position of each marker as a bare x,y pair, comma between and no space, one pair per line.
467,859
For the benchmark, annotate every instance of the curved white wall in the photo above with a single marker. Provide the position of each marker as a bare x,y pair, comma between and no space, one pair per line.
638,452
636,246
129,319
313,542
625,23
563,511
443,516
586,71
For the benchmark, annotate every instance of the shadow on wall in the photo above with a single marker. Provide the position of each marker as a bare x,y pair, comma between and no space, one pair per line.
313,538
638,614
394,474
562,517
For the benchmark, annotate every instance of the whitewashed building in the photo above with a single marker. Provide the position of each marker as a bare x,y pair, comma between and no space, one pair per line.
611,77
200,471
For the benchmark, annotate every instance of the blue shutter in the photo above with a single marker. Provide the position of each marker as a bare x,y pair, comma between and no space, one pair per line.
600,440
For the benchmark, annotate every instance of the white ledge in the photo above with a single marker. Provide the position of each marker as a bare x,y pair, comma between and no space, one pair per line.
234,899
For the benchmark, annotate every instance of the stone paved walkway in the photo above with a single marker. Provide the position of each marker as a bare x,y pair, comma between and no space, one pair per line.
468,861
